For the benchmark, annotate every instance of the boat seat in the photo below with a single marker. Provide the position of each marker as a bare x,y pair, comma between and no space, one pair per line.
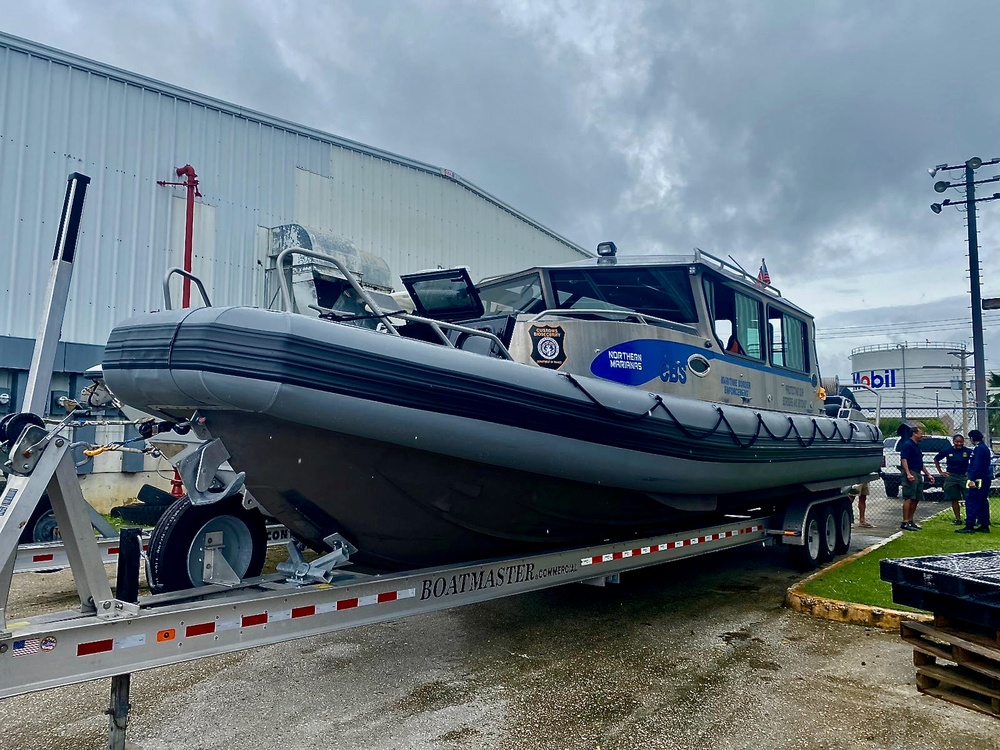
501,326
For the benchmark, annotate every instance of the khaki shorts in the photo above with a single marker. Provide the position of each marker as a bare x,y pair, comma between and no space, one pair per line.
913,490
954,486
862,489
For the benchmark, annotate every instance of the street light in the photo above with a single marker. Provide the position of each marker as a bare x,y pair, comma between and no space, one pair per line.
978,355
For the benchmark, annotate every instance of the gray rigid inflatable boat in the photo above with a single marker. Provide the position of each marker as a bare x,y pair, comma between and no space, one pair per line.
421,454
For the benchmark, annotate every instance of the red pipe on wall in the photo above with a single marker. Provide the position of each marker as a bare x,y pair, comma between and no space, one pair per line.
191,183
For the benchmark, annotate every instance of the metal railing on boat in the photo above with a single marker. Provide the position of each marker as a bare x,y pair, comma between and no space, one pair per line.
378,312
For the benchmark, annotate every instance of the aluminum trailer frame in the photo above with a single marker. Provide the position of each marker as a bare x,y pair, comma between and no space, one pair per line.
59,649
48,557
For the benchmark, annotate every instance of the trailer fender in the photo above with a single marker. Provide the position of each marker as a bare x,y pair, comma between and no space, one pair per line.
793,522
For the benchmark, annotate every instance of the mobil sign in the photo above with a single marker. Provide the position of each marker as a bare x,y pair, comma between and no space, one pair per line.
883,379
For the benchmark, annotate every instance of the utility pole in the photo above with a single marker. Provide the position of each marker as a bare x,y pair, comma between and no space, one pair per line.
978,353
963,354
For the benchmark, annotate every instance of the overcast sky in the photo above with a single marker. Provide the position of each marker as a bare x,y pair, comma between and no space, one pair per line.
796,131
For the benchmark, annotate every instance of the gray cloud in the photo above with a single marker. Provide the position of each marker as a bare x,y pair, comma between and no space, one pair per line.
796,132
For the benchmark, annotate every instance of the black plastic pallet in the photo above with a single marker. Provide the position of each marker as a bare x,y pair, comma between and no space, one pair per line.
970,580
957,574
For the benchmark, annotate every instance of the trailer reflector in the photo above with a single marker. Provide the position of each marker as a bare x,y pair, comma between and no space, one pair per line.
664,547
202,628
95,647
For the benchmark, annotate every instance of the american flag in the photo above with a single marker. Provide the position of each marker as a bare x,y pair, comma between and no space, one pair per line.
26,647
762,275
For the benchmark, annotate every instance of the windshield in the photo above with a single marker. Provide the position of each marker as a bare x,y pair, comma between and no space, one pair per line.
511,296
661,292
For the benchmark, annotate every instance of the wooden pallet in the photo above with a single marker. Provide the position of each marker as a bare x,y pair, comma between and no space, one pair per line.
973,679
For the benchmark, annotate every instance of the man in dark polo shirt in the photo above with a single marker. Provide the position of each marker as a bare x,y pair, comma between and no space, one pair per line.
912,461
955,474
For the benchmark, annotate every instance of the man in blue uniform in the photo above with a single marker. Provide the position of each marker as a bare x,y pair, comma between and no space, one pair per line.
977,503
914,471
955,474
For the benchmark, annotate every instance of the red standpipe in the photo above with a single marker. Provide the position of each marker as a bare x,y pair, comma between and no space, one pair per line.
191,183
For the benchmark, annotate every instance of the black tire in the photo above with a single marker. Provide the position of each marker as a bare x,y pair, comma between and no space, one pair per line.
42,525
150,495
828,532
174,551
891,488
807,556
843,512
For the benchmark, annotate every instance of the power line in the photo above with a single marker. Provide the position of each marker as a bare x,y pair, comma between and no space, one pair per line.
864,331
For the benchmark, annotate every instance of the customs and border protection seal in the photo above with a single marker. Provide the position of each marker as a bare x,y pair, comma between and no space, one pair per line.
548,346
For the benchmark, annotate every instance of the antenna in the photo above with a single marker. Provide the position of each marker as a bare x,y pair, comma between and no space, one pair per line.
738,264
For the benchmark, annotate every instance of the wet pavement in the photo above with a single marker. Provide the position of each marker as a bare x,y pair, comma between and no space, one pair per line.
693,654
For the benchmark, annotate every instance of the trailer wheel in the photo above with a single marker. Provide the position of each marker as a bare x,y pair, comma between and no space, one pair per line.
177,543
807,556
828,532
42,525
844,514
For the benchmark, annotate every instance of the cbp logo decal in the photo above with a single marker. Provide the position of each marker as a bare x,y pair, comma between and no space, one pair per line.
642,360
547,346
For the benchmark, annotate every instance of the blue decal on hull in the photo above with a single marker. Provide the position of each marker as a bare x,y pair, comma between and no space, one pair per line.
637,362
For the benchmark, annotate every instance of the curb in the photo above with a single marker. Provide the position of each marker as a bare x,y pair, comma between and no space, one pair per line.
850,612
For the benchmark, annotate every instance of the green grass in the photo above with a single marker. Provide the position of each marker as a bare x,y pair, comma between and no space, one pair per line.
859,581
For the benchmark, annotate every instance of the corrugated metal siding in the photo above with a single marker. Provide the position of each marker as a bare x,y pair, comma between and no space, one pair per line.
60,114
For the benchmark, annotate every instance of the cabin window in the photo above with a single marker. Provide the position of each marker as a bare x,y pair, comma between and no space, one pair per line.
659,292
788,338
736,318
511,296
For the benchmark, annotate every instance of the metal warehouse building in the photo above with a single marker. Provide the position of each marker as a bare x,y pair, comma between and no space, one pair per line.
60,114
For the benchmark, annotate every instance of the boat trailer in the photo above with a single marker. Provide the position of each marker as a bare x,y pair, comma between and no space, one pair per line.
114,633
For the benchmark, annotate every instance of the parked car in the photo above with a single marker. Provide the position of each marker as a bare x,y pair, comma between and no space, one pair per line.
892,470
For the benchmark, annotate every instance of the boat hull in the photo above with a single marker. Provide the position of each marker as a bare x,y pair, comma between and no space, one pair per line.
421,454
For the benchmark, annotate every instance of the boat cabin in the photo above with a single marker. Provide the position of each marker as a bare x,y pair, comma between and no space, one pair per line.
690,325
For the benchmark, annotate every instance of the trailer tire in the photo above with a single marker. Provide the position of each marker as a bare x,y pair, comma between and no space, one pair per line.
844,514
176,545
828,532
42,525
807,556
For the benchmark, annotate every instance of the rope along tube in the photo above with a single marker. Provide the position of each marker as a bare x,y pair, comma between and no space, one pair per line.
761,426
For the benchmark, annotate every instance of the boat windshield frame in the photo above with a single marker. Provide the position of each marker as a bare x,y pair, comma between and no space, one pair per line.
659,292
597,290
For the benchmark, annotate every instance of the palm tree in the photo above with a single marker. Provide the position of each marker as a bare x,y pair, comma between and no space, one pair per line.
993,402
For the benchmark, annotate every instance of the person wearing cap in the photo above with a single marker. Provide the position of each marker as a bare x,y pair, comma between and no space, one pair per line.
977,503
956,474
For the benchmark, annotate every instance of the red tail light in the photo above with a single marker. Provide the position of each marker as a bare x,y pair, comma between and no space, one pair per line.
883,462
